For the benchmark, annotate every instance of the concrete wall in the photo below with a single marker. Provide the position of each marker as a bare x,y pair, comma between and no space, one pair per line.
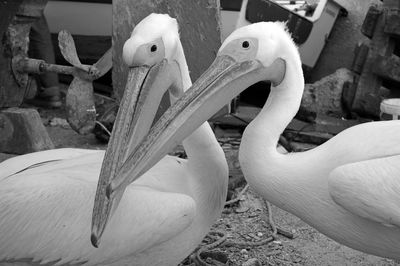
339,50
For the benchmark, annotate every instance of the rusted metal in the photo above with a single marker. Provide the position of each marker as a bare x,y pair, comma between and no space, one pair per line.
16,24
38,66
80,107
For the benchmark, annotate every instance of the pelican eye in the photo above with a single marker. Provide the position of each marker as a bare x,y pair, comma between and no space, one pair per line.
245,44
153,48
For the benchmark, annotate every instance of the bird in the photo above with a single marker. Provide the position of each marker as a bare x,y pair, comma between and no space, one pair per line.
347,188
47,198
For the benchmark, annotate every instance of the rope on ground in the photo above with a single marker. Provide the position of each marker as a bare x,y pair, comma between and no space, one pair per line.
103,127
271,221
243,244
221,240
239,196
276,230
218,237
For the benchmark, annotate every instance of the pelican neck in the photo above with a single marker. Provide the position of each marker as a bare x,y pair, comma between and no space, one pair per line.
280,108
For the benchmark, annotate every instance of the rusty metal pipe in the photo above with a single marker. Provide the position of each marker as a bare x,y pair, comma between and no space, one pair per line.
37,66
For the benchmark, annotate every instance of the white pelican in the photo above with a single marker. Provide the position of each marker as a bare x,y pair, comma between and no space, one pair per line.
347,188
46,198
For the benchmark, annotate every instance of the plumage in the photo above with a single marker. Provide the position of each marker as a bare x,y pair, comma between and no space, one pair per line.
369,189
46,212
346,188
46,203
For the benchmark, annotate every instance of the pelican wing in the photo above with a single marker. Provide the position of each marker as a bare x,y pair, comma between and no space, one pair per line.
23,162
45,215
370,189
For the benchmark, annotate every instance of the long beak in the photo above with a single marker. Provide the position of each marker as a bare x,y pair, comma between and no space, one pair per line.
221,82
143,93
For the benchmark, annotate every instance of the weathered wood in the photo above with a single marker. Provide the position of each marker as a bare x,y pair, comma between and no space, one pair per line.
391,4
388,67
360,55
307,137
322,124
371,18
300,146
392,25
22,131
369,95
333,125
199,23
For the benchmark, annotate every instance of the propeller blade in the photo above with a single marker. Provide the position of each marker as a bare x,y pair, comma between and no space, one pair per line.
104,64
80,106
68,50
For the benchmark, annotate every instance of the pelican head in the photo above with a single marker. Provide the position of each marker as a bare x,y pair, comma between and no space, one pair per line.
152,54
257,52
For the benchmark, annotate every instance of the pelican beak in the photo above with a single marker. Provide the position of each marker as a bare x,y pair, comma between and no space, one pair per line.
220,83
144,90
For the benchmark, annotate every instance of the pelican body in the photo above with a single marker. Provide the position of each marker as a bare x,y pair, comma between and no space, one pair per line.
46,198
348,188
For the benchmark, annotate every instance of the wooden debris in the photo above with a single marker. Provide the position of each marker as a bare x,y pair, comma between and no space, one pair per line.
323,128
380,21
392,25
325,96
300,147
22,131
307,137
238,197
360,55
333,125
370,21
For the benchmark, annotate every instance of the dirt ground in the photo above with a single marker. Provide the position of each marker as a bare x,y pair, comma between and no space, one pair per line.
246,220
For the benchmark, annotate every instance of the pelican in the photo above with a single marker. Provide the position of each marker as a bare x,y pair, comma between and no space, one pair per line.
46,198
348,188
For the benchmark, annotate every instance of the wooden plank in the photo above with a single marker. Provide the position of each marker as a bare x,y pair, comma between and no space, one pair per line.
322,124
392,25
300,146
22,131
307,137
371,18
369,95
199,23
391,4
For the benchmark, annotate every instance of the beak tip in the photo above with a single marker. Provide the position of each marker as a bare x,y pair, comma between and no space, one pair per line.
95,241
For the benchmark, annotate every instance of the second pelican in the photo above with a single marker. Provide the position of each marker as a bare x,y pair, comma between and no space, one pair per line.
348,188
